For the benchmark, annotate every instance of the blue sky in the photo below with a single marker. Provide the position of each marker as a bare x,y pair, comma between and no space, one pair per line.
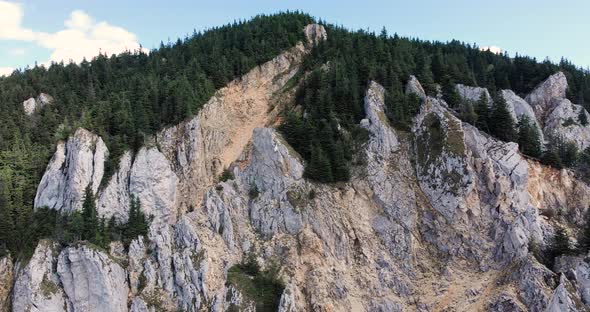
44,30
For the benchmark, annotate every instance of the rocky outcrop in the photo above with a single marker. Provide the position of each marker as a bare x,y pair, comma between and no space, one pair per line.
563,122
33,105
543,96
414,87
114,200
37,285
473,94
519,108
76,164
6,279
315,33
91,281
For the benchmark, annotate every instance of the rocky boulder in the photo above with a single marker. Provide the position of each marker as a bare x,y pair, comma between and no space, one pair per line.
33,105
543,96
76,164
473,94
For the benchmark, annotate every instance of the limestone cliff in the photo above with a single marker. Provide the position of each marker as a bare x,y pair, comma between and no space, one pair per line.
437,219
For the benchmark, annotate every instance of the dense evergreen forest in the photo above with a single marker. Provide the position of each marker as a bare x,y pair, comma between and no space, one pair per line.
129,97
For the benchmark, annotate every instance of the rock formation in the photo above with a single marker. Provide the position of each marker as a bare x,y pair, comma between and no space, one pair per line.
76,164
33,105
443,221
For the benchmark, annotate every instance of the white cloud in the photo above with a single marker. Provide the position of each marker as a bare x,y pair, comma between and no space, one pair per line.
11,15
81,38
493,49
6,71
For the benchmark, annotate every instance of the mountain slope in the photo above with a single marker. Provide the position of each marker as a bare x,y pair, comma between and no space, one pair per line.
435,214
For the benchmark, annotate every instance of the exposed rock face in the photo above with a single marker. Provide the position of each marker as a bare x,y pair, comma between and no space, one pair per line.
32,105
37,285
6,279
473,94
564,121
76,164
91,280
519,108
201,148
114,199
543,96
414,87
315,33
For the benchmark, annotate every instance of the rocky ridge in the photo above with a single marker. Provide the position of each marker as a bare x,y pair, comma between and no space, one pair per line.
441,224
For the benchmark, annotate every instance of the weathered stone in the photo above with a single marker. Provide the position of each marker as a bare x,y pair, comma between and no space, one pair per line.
91,280
543,96
414,87
473,94
37,285
76,164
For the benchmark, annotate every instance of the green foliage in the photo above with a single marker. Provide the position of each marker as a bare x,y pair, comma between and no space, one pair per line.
500,122
226,175
263,287
559,245
582,117
529,141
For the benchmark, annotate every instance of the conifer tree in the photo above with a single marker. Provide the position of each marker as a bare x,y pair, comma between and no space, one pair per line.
500,123
482,110
529,141
89,215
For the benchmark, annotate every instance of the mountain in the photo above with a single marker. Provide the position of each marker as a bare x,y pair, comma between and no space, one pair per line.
284,164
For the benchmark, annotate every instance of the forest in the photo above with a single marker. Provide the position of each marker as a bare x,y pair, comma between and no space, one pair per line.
127,98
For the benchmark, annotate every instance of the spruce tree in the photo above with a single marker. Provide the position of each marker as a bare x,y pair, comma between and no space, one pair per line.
89,215
584,240
529,141
482,110
500,122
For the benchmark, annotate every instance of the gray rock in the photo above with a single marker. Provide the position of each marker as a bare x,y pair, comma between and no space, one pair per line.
543,96
519,108
473,94
563,121
75,165
91,280
414,87
37,285
562,300
315,33
33,105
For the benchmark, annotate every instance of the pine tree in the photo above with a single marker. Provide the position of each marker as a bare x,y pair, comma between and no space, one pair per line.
529,141
482,110
89,215
450,94
500,122
561,244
